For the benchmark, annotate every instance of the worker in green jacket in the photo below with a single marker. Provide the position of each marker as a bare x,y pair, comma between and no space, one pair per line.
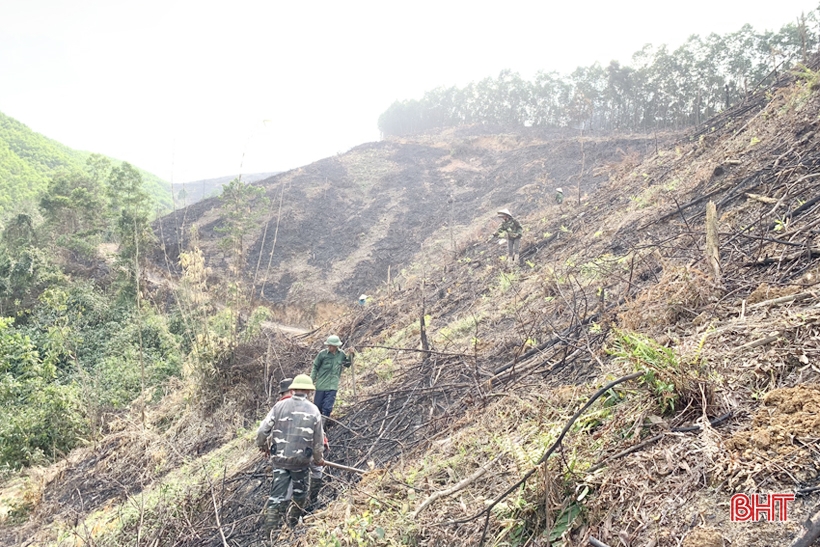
512,230
327,369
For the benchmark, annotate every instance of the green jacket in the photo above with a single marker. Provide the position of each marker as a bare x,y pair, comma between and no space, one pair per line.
327,368
510,228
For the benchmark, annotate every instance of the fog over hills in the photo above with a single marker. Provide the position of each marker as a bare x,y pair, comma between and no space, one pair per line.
188,193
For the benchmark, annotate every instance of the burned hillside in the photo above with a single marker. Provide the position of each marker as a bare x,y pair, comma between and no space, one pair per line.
335,228
647,359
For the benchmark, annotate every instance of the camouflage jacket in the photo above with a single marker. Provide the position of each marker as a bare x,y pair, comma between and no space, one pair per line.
510,228
295,426
327,368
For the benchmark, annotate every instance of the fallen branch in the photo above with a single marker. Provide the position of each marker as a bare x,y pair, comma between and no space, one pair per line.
526,369
762,199
808,204
808,252
623,453
549,343
682,207
714,423
807,491
487,510
760,342
444,493
717,421
782,300
216,514
427,351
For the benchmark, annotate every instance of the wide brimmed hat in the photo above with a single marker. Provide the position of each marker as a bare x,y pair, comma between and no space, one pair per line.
333,340
302,381
505,212
284,385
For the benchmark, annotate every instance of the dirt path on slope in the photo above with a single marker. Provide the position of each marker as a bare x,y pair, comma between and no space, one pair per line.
286,329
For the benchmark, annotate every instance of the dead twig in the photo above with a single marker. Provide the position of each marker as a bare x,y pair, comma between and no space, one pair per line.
782,300
216,514
643,444
626,452
428,351
760,342
444,493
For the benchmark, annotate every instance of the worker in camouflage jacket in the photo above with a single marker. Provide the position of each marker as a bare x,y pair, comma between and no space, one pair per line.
327,369
512,230
295,428
317,479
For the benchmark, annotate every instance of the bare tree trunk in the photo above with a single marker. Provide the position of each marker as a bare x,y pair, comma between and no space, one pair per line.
712,242
583,166
425,345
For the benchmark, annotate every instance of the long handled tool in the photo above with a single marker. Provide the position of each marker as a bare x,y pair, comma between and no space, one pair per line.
345,468
335,465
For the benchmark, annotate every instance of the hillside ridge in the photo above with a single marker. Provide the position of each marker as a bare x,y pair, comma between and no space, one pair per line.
346,220
28,160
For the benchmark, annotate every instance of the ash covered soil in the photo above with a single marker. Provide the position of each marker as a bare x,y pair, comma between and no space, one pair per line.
346,220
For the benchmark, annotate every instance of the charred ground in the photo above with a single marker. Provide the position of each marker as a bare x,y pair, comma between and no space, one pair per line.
344,221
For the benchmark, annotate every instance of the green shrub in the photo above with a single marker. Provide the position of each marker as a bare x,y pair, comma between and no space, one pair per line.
40,418
664,375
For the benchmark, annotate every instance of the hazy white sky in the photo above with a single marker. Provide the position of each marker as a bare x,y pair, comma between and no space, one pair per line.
181,87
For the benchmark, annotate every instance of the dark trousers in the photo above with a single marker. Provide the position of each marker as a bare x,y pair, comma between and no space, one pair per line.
325,400
278,502
284,480
513,244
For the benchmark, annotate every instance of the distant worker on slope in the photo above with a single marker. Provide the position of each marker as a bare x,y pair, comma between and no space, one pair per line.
295,426
327,369
559,196
513,231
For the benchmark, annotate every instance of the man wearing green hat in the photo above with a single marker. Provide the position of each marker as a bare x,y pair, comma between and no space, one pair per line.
295,427
327,369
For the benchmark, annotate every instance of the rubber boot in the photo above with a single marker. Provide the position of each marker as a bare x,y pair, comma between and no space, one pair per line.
296,512
274,516
313,495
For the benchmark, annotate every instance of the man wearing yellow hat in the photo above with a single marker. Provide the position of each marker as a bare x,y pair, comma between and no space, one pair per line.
295,428
326,371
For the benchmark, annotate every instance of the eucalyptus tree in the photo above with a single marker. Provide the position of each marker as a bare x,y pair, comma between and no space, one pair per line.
661,88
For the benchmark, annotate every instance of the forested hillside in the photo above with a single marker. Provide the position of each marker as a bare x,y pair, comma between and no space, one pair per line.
29,160
75,342
660,89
